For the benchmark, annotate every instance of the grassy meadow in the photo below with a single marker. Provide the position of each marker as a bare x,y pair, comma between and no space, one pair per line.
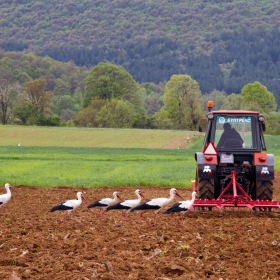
52,156
93,137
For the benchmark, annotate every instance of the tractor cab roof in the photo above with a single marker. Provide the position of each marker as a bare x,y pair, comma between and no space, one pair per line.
233,112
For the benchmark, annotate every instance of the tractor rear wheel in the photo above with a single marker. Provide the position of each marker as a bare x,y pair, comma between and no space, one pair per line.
205,188
264,190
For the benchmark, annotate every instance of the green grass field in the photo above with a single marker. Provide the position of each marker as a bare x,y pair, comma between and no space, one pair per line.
12,135
51,156
93,167
79,157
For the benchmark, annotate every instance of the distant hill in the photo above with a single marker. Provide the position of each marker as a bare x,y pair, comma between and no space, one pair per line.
223,44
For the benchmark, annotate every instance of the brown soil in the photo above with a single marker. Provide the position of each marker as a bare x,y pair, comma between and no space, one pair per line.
37,244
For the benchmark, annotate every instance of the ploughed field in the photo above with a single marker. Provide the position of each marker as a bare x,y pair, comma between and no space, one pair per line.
38,244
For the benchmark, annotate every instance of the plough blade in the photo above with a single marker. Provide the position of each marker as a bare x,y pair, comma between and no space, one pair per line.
234,199
251,204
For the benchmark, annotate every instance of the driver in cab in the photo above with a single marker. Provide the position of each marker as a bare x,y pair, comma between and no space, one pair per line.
230,138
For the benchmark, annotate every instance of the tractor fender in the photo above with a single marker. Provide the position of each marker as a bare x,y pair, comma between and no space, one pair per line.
205,170
265,172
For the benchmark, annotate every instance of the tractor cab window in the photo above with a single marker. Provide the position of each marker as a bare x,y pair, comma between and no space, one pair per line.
233,132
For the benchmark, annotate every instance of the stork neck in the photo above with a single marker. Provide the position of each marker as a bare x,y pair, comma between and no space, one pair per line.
8,190
139,196
193,198
115,198
172,196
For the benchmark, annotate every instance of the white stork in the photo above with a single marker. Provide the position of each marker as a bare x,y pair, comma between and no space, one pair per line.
182,206
4,198
126,205
156,204
69,205
103,203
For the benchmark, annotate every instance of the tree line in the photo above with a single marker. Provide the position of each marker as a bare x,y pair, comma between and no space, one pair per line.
42,91
223,45
238,58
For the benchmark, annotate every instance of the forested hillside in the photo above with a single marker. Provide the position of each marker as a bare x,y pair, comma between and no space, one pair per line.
222,44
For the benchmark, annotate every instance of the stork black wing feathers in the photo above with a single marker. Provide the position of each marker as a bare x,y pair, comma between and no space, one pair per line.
174,208
61,206
118,206
96,204
146,206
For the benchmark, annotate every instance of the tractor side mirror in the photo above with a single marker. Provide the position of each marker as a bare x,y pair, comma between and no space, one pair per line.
202,125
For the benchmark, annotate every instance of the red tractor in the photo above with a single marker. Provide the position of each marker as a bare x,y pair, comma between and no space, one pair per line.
233,170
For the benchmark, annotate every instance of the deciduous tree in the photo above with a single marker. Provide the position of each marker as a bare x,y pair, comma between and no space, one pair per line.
273,123
107,113
258,94
217,97
65,102
87,117
8,94
61,88
27,114
107,81
182,103
232,102
36,94
116,113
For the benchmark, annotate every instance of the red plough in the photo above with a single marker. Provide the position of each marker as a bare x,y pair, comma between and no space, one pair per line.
234,200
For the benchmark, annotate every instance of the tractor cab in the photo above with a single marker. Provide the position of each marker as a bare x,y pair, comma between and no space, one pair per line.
235,130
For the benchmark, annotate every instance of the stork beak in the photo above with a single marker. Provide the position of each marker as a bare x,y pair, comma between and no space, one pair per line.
84,198
177,193
119,197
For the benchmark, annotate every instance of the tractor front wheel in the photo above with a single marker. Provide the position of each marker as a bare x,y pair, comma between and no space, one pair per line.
264,190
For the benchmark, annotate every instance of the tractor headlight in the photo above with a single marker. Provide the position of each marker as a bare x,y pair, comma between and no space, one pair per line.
261,118
210,116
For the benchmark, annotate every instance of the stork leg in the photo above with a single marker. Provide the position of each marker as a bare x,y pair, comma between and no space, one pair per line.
65,216
100,213
176,221
183,219
124,217
145,219
72,218
134,221
155,221
75,220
